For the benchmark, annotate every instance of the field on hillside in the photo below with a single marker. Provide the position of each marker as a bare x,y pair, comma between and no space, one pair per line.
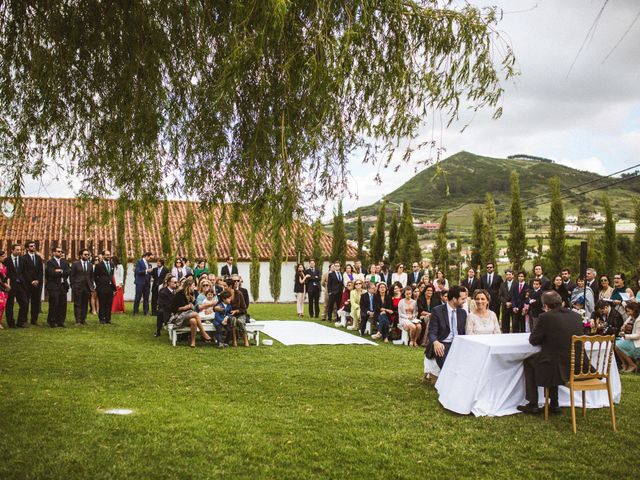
268,412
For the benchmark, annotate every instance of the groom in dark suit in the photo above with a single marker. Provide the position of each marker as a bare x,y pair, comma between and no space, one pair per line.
143,283
105,287
447,321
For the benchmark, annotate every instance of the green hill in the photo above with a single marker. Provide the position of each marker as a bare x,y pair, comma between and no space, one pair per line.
458,185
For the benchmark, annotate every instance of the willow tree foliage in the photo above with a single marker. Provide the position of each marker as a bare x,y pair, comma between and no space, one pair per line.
186,239
189,96
212,241
254,267
165,234
316,253
275,262
517,241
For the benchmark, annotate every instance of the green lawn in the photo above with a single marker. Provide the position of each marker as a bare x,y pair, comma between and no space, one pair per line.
269,412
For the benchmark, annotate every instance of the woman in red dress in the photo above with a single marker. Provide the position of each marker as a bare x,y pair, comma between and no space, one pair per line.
118,299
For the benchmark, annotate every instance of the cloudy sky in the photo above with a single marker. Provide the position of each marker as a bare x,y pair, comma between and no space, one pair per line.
588,120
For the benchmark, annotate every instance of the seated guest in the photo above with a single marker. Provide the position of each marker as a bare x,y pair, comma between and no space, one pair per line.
399,276
238,314
447,322
204,287
441,283
465,303
178,270
551,366
372,276
577,299
628,345
354,301
367,307
427,300
222,319
482,320
605,319
201,268
349,274
344,308
184,313
408,316
382,309
243,291
165,302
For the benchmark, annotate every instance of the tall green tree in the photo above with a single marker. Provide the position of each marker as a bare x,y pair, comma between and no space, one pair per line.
517,241
539,249
488,249
275,263
440,250
339,244
212,242
360,237
476,238
317,254
164,85
557,247
609,244
409,250
377,248
254,268
394,236
165,233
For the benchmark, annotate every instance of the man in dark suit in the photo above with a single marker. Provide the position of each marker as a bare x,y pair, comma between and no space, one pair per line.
535,303
415,275
505,295
491,282
33,276
158,275
518,299
552,365
313,289
447,321
545,283
142,281
230,268
335,287
15,274
165,302
566,279
81,278
367,310
385,275
57,284
105,288
593,282
471,282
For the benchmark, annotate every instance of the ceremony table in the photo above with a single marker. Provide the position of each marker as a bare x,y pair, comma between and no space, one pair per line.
484,375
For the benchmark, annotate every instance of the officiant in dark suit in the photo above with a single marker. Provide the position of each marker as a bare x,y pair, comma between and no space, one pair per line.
335,287
471,282
313,289
506,297
447,321
491,282
230,268
33,274
57,284
105,287
81,285
158,274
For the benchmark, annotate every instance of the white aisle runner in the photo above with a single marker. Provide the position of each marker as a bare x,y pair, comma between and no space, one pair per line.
309,333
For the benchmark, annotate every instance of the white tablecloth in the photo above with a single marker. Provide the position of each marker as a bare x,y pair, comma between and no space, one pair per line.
484,375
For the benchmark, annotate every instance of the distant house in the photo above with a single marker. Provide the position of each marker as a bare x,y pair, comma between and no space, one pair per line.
571,219
598,217
625,226
430,227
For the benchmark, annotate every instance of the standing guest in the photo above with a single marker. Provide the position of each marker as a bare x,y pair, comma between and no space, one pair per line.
518,299
441,283
335,286
545,284
578,298
628,345
372,276
313,289
383,309
535,303
416,274
158,275
228,269
566,279
593,282
399,276
182,310
349,275
552,365
142,282
558,285
506,297
17,293
354,301
94,306
33,276
117,306
408,316
204,287
621,293
470,282
81,285
491,282
165,302
57,284
178,270
5,285
447,322
357,267
201,268
105,287
483,320
605,289
427,301
367,309
298,288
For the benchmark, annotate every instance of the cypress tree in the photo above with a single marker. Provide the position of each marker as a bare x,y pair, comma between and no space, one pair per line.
339,244
165,234
488,250
254,268
539,247
609,240
440,250
517,242
187,235
317,254
394,237
557,247
476,238
636,235
212,251
377,249
360,237
372,243
409,250
275,263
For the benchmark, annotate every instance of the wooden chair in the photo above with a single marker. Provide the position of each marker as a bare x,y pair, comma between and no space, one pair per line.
593,373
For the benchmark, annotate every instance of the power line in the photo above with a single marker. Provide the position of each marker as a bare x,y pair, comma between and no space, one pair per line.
589,35
622,37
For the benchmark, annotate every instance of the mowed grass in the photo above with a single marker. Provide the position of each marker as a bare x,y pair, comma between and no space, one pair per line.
269,412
